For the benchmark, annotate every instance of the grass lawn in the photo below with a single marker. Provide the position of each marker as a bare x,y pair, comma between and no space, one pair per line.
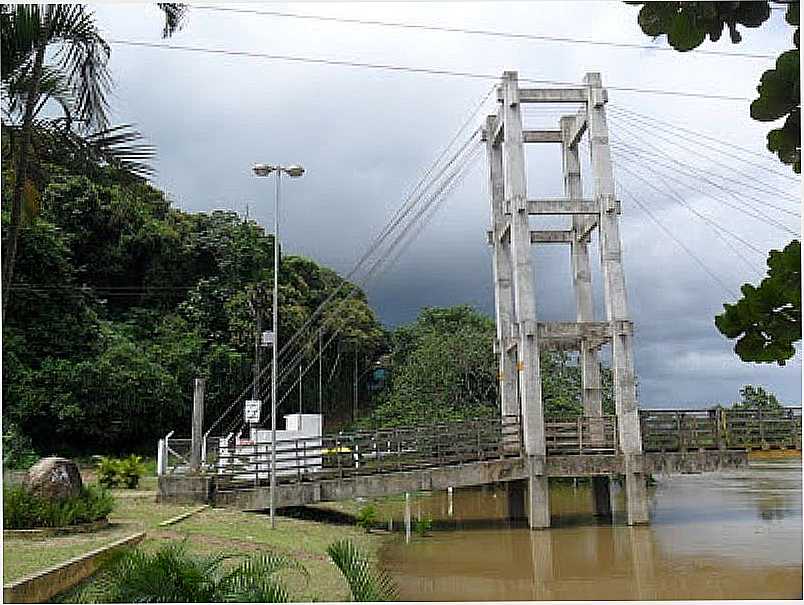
211,531
224,530
134,512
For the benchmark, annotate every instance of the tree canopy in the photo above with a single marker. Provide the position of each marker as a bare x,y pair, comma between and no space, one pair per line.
766,321
121,300
443,368
687,25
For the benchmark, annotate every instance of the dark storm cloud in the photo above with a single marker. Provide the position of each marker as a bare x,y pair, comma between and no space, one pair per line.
365,138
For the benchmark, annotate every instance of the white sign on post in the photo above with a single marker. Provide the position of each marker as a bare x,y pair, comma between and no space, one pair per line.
252,410
267,338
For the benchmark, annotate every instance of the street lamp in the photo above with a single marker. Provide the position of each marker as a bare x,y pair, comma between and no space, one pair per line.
292,171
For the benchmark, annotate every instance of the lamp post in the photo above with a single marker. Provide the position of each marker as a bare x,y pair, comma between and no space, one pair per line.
292,171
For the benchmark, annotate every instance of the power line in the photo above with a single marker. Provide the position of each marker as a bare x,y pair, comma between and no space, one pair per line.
769,188
672,236
410,202
712,224
656,159
409,69
741,208
477,32
753,213
699,135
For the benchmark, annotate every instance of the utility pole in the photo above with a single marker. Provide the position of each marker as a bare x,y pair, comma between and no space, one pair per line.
300,388
320,374
257,342
354,409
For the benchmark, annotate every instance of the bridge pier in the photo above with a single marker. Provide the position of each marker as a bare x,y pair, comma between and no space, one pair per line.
601,492
530,498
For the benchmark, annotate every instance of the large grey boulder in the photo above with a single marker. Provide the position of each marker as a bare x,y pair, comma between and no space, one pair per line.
54,478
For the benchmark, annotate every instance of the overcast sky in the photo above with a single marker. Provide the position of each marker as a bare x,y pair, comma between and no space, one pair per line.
366,136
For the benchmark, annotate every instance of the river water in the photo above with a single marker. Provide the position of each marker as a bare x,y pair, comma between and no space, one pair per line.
729,535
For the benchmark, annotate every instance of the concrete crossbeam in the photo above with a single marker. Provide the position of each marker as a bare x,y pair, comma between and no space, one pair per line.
549,95
551,237
536,237
541,136
558,206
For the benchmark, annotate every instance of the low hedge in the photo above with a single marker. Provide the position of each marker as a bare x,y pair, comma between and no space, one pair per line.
23,509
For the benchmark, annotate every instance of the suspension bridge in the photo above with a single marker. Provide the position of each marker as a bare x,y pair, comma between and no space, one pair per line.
522,447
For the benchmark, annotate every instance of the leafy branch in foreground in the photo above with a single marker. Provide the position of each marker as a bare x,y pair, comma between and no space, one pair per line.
766,321
366,582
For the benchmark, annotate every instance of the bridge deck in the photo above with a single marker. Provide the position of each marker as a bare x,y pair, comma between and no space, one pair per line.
393,461
312,489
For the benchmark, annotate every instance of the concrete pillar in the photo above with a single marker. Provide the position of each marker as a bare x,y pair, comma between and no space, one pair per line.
530,396
503,295
538,501
616,302
541,545
529,382
407,517
515,495
581,270
197,434
601,493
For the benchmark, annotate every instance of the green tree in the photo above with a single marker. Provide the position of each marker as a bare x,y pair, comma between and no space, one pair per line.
687,24
444,369
756,397
78,81
766,321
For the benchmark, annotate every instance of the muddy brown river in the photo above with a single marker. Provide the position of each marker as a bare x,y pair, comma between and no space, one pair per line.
729,535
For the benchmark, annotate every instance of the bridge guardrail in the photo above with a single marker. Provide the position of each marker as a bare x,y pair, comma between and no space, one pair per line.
720,428
369,452
581,435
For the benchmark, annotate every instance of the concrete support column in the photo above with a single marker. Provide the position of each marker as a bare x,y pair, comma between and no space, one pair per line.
616,302
601,492
538,501
530,388
196,434
581,271
515,495
503,293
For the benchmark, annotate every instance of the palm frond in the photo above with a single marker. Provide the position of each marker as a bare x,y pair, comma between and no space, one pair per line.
366,582
20,30
255,581
174,17
84,57
118,146
53,85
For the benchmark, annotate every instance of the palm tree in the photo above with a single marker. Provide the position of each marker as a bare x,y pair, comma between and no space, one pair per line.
172,575
77,79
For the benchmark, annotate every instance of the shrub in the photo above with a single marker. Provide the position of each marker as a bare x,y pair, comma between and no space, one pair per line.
367,517
172,575
423,526
120,472
23,509
18,453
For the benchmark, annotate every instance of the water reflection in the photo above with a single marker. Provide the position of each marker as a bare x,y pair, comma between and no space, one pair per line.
730,535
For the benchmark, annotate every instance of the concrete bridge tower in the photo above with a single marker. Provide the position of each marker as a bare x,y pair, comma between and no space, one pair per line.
520,337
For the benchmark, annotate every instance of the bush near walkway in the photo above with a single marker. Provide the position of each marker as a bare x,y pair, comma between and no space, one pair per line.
23,509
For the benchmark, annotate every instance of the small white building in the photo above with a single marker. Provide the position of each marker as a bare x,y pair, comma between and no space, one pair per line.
298,449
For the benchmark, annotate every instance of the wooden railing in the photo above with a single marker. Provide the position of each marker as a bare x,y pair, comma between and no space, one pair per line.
369,452
680,430
581,435
397,449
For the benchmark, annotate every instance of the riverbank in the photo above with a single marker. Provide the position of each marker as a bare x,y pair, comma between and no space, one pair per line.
212,531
